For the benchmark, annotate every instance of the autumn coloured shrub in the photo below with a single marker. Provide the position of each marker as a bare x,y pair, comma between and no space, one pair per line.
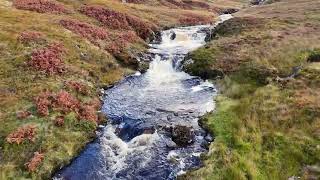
30,36
23,133
62,101
59,121
43,101
34,162
89,110
115,43
23,114
40,6
135,1
142,28
48,59
78,87
199,4
117,20
179,4
88,113
65,102
88,31
110,18
193,19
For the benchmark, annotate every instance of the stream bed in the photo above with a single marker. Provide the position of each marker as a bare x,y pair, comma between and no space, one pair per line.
147,115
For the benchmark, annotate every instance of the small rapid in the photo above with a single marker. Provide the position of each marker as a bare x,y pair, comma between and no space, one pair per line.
147,115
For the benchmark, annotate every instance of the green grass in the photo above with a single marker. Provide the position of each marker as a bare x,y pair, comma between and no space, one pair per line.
263,128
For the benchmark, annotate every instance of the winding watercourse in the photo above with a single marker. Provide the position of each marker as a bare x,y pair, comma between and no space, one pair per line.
147,112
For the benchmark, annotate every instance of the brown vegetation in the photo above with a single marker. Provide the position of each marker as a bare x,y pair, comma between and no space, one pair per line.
40,6
48,59
35,161
27,132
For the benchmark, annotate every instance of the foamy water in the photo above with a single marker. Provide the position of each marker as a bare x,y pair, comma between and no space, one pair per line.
134,144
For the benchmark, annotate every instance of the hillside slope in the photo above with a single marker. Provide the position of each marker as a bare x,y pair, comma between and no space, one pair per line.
267,121
54,57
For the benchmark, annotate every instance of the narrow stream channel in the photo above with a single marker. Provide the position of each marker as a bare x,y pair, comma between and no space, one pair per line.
146,112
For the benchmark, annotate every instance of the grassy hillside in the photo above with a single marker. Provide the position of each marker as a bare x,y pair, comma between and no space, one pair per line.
54,57
267,121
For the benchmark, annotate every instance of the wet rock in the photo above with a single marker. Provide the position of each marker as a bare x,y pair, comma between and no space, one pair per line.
208,138
149,130
229,11
156,37
170,144
182,135
173,35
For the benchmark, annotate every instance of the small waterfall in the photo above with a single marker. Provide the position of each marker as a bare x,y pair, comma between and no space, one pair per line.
137,142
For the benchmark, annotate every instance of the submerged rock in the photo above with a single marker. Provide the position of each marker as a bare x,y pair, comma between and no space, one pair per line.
182,135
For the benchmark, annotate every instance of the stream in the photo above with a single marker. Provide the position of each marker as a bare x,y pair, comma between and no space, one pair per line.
147,115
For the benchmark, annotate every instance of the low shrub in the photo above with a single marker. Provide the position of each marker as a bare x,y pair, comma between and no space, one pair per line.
88,113
193,19
110,18
23,133
85,30
78,87
117,20
48,59
43,101
65,102
89,110
199,4
59,121
35,161
115,43
40,6
62,101
30,37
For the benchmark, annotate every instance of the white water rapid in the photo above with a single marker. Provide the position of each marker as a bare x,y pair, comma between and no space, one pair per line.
144,109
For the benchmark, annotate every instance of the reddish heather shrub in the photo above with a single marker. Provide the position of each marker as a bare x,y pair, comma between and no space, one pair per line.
199,4
41,6
135,1
30,36
59,121
34,162
66,102
43,101
88,31
193,19
142,28
77,86
88,112
95,103
180,4
117,20
48,59
23,114
21,134
110,18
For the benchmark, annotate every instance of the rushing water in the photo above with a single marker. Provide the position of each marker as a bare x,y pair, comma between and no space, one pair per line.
135,144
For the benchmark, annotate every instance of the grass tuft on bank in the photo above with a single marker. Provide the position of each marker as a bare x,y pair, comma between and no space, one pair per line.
266,124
